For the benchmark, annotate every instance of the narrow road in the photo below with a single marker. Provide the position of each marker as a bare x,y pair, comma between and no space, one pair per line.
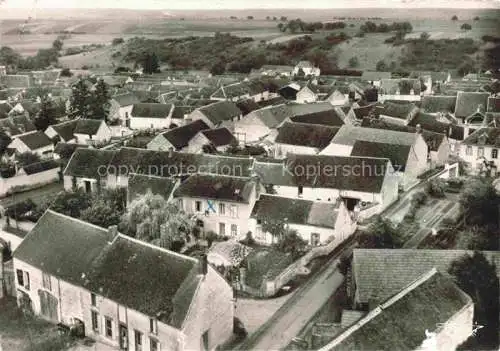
293,316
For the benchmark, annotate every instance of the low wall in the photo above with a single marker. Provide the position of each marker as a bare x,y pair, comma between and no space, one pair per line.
32,181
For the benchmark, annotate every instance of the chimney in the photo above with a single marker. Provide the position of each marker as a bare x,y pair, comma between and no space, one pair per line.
112,232
170,151
419,129
203,265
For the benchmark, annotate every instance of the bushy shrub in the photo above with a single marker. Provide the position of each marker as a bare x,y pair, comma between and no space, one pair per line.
435,187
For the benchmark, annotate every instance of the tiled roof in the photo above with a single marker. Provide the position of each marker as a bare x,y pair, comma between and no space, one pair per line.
139,185
40,167
381,273
493,104
247,106
484,137
66,150
398,154
220,111
273,116
217,187
88,126
181,111
219,136
180,137
338,172
310,135
320,113
365,111
401,322
348,135
151,110
273,173
65,129
127,99
438,103
397,110
468,103
429,122
85,163
278,100
63,247
296,211
35,140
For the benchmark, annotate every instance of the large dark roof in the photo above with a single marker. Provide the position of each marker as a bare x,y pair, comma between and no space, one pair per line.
468,103
296,211
216,187
86,163
65,149
87,126
398,154
219,136
301,134
338,172
273,172
401,322
327,117
63,247
179,137
126,99
40,167
484,137
139,185
151,110
65,129
220,111
140,276
396,110
247,106
438,103
273,116
429,122
35,140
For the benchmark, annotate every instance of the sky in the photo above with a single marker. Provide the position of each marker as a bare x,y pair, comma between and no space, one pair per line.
242,4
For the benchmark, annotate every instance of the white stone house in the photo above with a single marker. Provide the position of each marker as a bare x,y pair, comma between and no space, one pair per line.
35,142
123,292
121,106
150,116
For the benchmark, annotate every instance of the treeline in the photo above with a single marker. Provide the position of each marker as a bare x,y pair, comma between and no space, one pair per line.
297,25
43,58
372,27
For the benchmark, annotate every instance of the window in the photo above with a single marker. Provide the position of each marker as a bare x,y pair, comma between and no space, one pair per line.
234,230
95,321
27,280
197,206
222,209
494,153
138,340
468,151
155,345
480,151
47,284
222,229
108,324
301,190
153,326
20,277
93,299
233,211
315,239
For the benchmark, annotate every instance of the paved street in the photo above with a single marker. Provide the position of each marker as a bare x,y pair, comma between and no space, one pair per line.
289,320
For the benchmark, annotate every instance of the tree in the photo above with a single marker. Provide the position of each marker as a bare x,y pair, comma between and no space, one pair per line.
9,57
27,158
381,234
57,45
65,72
466,26
424,36
102,214
476,18
477,277
276,227
149,63
249,17
46,116
71,203
117,41
80,100
435,187
454,18
381,66
479,202
353,62
100,101
218,68
281,26
283,18
292,243
151,218
5,140
209,148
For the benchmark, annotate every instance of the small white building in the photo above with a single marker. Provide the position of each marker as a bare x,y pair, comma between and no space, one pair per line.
150,116
35,142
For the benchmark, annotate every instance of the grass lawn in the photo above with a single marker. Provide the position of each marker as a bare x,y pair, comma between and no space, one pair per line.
265,262
24,333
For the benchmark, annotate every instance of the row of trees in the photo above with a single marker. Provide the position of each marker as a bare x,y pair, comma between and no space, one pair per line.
372,27
85,103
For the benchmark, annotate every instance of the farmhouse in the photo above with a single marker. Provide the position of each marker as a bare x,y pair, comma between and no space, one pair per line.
261,123
253,89
35,142
401,113
316,222
222,203
222,113
302,138
218,139
150,116
121,106
177,138
119,290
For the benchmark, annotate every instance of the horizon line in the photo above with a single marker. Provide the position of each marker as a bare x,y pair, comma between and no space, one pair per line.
261,9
